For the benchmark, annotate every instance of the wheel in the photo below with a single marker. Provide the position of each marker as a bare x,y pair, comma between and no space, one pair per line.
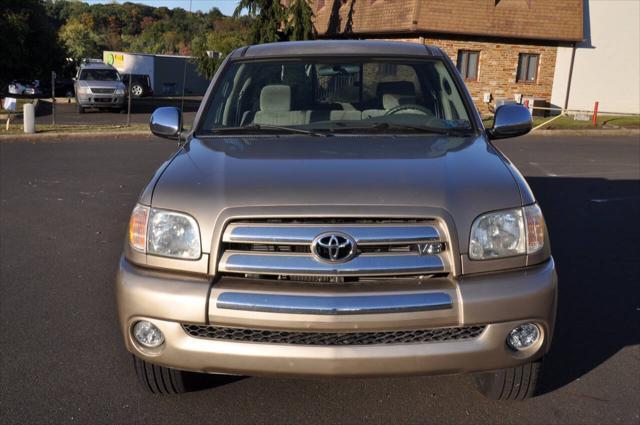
80,108
137,90
159,379
516,383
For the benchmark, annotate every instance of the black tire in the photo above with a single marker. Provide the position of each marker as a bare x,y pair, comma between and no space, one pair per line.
80,108
158,379
137,90
516,383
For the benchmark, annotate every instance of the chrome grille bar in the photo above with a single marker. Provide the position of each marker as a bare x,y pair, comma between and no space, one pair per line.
360,304
307,265
304,234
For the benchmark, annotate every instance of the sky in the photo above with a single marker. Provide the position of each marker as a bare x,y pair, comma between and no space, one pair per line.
225,6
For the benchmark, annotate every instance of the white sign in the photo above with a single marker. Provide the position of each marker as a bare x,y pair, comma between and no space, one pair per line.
9,104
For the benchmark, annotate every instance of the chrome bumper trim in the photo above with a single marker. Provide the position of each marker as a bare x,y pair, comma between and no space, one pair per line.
332,305
306,265
305,234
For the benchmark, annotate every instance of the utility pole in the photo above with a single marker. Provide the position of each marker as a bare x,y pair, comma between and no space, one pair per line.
129,102
53,98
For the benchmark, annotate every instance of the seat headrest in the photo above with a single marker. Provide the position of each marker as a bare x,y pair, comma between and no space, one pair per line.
275,98
391,100
405,88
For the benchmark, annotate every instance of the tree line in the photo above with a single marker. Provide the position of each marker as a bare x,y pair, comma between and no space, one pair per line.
38,36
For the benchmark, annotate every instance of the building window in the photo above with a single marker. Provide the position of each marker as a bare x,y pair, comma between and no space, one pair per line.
528,68
468,64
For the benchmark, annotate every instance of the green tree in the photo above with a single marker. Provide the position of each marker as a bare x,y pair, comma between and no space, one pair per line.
273,21
80,39
217,41
28,42
268,18
300,21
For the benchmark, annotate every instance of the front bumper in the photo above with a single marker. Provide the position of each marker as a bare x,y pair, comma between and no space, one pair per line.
101,100
498,301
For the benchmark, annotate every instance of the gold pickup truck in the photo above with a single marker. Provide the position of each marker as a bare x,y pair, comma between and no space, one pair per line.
338,210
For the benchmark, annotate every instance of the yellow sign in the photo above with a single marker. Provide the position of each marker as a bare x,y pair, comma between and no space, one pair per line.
115,59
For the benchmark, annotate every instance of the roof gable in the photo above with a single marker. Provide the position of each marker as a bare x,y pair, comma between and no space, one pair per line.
523,19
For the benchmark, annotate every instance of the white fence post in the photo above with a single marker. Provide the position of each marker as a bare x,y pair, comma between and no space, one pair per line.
29,118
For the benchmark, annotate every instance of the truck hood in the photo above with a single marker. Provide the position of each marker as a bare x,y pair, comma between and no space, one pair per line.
459,178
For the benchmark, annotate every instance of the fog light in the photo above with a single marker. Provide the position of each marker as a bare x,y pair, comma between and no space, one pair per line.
147,334
523,337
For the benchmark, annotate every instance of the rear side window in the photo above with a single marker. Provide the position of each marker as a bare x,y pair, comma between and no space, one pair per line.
378,76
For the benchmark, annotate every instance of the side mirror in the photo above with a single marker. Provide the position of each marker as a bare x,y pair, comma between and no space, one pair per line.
166,122
510,121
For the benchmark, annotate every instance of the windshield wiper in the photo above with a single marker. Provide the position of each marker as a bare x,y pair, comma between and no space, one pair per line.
451,131
260,127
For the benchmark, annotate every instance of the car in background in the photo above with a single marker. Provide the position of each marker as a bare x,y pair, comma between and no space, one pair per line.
99,85
140,84
25,87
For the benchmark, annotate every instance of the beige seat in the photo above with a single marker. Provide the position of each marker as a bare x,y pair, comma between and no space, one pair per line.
389,101
351,115
275,107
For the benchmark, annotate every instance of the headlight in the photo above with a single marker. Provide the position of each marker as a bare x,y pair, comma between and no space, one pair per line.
119,91
83,90
165,233
507,233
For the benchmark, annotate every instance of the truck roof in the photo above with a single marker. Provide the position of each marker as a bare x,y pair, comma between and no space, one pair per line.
336,48
96,65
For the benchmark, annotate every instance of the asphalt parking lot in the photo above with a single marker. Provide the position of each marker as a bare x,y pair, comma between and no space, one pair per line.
141,109
64,208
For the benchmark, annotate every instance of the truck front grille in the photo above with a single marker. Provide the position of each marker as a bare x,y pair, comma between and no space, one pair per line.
333,338
102,91
282,249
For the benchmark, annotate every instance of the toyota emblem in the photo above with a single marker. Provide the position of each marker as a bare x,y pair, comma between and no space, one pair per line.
333,247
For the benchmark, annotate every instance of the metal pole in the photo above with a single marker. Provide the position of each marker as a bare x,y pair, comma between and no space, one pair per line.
129,102
184,82
53,98
573,58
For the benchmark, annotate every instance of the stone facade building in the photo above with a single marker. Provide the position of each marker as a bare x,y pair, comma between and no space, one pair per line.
503,48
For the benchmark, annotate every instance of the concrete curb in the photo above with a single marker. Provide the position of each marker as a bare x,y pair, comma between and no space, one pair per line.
68,100
94,134
593,132
70,136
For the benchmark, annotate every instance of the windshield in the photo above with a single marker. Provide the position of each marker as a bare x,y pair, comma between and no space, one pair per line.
99,75
320,96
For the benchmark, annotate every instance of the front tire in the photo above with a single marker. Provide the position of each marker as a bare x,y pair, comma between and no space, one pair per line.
516,383
159,379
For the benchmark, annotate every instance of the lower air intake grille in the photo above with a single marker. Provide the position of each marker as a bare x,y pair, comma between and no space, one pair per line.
333,338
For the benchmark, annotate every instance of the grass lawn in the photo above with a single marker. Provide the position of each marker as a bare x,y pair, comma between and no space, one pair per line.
568,123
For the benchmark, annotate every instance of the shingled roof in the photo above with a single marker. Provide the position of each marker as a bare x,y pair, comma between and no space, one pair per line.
551,20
